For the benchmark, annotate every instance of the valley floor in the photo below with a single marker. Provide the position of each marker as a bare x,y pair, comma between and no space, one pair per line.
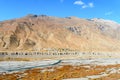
72,69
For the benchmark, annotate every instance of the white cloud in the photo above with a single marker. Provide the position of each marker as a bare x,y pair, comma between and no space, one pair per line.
91,4
108,13
79,2
83,4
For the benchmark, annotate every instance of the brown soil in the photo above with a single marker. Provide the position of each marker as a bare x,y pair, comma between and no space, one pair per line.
61,72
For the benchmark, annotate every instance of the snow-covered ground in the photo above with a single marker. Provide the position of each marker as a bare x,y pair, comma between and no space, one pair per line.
9,66
110,61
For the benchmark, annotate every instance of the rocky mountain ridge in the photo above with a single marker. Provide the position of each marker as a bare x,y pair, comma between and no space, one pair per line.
36,32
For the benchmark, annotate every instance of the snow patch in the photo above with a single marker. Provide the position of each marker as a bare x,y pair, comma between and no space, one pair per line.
102,62
10,66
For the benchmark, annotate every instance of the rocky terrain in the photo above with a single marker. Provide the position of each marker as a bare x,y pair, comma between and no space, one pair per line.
36,32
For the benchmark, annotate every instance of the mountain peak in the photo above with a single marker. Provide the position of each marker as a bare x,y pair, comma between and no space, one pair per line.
42,31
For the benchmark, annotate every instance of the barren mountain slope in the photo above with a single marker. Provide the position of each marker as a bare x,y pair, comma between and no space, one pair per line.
37,32
108,27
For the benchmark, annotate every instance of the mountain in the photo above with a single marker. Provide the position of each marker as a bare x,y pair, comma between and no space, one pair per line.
36,32
108,27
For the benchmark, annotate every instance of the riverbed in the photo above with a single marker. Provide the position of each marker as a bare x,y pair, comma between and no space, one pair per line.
12,66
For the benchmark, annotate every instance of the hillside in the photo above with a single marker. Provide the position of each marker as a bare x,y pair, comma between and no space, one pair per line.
36,32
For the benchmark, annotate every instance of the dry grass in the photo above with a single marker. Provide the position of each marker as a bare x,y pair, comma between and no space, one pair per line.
65,72
114,76
59,73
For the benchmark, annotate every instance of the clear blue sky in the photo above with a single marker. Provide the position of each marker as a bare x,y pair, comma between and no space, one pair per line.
108,9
